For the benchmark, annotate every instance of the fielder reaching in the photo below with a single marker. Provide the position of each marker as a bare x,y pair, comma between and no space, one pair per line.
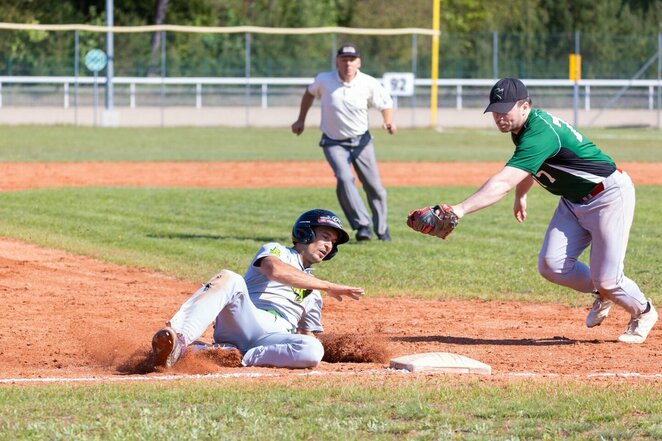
346,94
272,313
596,206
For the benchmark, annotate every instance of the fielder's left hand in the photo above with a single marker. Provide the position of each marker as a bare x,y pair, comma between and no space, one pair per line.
439,221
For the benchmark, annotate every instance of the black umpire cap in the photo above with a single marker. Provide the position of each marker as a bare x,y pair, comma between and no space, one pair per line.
505,93
348,50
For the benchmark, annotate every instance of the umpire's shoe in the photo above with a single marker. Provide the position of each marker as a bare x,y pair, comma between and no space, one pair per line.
640,326
363,233
385,236
168,347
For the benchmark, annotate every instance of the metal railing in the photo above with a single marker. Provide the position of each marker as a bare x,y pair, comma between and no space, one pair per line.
161,94
643,94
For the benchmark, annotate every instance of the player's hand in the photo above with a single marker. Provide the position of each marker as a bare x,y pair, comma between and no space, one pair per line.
390,127
439,221
338,291
519,209
297,127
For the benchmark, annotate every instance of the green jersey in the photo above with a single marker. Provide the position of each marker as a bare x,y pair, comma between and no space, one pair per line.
561,159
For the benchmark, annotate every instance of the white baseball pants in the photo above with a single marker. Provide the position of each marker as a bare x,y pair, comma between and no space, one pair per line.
603,223
263,338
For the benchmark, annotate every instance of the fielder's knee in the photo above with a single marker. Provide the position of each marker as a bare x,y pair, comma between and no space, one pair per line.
548,270
606,285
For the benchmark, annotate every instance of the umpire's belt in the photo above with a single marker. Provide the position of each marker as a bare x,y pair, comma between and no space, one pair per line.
596,191
356,141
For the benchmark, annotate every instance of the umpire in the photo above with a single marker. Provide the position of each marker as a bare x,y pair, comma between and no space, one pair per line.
346,94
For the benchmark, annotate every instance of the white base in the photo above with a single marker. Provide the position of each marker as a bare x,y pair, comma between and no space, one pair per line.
441,362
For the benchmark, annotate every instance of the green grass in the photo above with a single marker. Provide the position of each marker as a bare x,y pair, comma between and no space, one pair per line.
67,143
192,233
384,409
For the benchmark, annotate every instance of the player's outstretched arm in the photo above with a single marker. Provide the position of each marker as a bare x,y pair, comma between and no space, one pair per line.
492,191
338,291
275,269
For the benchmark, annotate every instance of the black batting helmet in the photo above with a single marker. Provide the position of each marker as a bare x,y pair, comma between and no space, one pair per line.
303,232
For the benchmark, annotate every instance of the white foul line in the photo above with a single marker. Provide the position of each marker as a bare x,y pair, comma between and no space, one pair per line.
138,378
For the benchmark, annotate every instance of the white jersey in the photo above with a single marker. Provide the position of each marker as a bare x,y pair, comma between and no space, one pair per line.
302,308
345,105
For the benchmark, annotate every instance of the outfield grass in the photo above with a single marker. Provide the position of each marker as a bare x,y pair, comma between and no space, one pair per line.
349,409
66,143
192,233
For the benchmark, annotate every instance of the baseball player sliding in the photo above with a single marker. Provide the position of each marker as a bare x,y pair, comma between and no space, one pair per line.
596,206
272,313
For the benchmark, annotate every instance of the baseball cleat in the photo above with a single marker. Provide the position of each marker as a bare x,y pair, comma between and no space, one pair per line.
168,347
599,311
640,326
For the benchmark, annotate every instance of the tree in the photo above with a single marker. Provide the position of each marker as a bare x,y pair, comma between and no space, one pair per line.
159,19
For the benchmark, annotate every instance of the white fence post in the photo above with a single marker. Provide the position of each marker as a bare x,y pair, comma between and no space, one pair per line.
132,95
458,97
66,95
264,96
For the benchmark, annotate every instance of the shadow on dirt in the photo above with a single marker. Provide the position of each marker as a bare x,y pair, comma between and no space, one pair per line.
553,341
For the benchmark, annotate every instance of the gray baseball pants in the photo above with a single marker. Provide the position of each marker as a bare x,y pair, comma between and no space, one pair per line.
364,160
263,338
603,223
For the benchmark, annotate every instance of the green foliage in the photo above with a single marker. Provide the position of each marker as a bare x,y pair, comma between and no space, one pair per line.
534,37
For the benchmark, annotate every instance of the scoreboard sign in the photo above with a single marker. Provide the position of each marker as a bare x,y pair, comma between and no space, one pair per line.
399,83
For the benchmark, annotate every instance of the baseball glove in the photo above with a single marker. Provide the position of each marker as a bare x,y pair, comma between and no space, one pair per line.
439,220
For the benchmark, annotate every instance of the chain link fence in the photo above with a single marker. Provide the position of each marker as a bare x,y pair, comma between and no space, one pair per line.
44,66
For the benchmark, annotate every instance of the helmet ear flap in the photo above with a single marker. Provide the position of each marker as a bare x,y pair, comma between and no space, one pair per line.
303,234
332,253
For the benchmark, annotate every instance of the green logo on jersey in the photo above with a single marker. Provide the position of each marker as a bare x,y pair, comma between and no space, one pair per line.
300,292
275,251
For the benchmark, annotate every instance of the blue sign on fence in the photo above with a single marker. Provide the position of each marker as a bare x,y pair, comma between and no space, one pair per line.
95,60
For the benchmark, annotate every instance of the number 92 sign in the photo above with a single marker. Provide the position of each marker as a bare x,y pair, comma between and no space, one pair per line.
399,83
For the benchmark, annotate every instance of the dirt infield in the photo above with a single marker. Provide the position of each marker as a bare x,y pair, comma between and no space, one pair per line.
260,174
72,316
